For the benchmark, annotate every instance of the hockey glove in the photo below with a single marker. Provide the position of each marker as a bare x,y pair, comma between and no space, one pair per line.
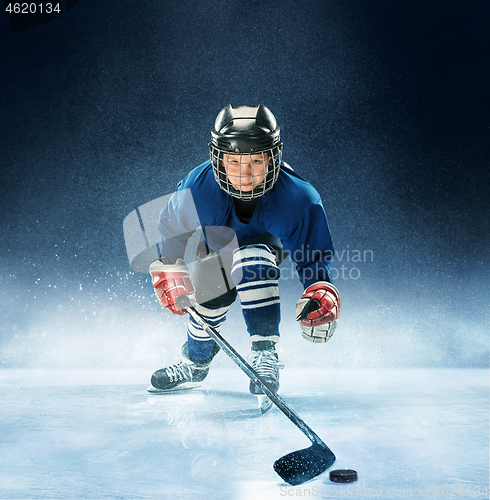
318,310
170,281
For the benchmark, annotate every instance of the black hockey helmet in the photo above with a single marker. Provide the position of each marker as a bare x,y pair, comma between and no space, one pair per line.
247,131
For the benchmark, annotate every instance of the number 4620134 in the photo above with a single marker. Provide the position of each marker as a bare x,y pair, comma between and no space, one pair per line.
33,8
461,491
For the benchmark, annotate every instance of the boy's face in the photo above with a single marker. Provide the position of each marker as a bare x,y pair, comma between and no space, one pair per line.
246,171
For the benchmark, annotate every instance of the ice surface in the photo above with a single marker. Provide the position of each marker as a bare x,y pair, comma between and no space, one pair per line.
98,434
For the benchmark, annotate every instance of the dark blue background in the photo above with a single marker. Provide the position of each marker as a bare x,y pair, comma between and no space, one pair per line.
383,106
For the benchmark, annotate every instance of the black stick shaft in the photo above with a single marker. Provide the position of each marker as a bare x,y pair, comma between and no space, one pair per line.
256,378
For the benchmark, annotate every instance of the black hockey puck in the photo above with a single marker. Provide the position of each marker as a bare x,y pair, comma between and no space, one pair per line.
343,476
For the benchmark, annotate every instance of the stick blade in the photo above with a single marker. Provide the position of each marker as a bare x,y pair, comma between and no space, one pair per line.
300,466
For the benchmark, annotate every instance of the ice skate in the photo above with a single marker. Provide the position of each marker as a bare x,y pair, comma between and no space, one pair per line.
187,374
265,362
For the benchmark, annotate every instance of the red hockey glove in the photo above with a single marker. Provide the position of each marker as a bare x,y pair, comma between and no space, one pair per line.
318,310
170,281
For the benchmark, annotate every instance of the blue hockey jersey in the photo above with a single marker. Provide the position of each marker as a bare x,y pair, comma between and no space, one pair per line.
292,211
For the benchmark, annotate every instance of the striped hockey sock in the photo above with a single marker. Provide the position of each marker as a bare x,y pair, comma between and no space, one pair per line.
199,343
256,275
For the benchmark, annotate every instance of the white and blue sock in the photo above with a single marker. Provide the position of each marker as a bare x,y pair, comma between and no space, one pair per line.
256,276
199,343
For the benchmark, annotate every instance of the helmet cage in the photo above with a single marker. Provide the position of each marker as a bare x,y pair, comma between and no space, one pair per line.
261,180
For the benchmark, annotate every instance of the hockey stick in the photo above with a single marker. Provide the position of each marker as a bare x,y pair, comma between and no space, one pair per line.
298,466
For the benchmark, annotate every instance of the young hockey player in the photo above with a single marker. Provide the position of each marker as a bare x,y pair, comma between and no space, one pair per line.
253,210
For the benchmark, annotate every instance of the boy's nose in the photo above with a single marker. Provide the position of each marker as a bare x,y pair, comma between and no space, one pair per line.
245,168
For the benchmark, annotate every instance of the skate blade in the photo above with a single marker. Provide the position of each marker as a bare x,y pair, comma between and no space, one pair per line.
183,387
265,404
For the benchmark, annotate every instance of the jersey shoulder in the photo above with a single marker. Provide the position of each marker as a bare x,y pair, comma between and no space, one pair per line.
293,190
198,177
210,201
289,201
